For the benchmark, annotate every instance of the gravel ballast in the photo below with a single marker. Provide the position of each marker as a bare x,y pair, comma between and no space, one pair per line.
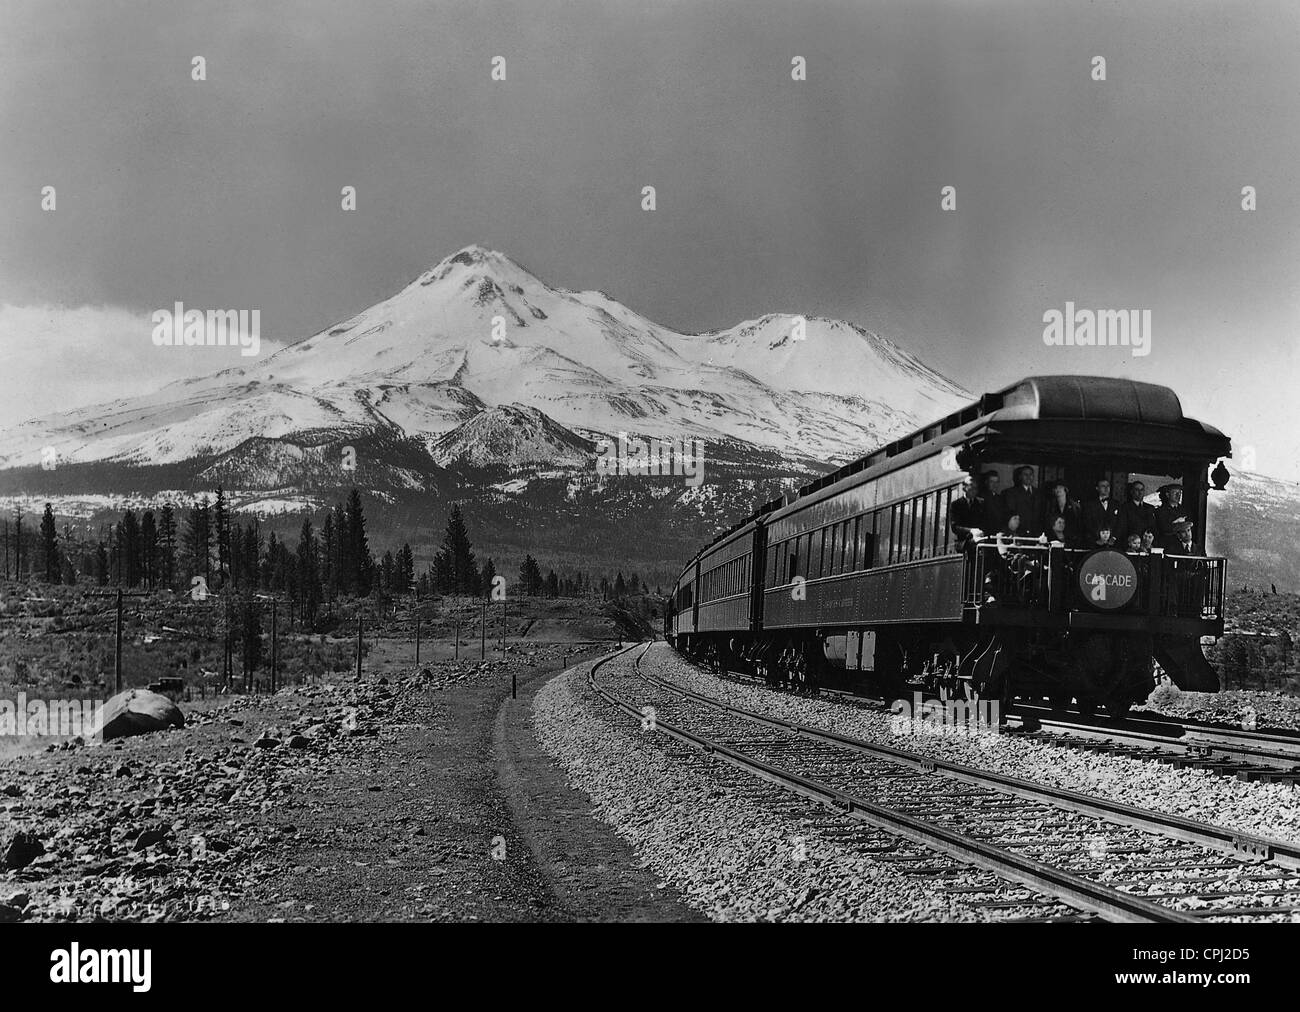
740,849
1262,809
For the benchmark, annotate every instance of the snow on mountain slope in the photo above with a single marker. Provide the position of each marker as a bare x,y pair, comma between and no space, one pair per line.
515,437
476,331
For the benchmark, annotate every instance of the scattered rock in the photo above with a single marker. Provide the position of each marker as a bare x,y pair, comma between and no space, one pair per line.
136,711
19,848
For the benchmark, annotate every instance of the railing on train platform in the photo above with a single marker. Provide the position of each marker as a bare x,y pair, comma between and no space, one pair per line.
1025,573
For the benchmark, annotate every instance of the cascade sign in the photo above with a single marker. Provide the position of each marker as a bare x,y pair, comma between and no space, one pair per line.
1107,580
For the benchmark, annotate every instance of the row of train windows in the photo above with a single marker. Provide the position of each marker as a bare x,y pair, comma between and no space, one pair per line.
728,579
909,530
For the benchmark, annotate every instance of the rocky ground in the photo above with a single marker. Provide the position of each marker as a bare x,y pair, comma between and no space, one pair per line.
412,794
740,849
1254,709
1258,808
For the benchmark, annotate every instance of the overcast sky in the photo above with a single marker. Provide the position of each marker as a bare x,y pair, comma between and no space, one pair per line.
820,196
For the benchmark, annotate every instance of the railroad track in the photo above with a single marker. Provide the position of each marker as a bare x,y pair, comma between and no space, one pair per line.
1252,756
1114,860
1249,756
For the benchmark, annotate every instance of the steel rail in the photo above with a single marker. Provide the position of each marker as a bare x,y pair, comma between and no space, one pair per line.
1046,879
1216,838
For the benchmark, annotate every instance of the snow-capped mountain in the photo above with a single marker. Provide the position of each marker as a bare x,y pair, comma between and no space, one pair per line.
477,332
513,437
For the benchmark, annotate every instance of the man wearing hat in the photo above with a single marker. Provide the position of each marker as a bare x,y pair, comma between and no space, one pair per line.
1169,514
1135,516
1182,544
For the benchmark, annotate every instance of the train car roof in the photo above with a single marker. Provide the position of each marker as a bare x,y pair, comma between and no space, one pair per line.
1034,398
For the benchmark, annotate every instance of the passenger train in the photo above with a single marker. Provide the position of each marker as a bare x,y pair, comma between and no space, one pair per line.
857,577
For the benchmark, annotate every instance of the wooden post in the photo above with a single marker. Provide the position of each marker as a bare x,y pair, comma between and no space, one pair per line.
117,652
482,644
359,620
275,647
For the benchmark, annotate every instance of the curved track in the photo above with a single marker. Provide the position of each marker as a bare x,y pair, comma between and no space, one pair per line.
1137,865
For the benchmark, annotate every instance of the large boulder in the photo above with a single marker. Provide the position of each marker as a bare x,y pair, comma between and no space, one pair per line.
136,711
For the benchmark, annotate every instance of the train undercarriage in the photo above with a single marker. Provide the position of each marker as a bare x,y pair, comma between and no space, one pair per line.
1091,669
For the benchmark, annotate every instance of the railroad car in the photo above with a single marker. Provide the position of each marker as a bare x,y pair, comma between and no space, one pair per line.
857,576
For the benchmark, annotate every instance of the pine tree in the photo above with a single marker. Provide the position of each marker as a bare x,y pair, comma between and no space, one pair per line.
359,548
329,558
552,584
405,569
149,550
50,546
344,567
198,543
221,523
620,588
129,545
454,568
167,544
530,577
309,587
487,576
388,572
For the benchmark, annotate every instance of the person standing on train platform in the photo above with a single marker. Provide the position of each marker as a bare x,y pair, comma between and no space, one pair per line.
1135,516
1098,512
991,495
1023,500
1169,514
966,516
1060,505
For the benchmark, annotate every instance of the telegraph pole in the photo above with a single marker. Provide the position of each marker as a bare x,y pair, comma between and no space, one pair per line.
275,646
117,651
359,620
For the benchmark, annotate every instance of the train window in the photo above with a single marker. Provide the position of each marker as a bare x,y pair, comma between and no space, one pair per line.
944,497
866,539
920,542
832,547
848,541
880,524
903,532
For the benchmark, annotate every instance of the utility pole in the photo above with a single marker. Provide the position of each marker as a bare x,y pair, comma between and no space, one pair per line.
417,625
482,645
358,642
275,647
117,652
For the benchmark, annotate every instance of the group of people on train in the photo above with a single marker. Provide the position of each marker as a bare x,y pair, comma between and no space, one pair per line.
1021,514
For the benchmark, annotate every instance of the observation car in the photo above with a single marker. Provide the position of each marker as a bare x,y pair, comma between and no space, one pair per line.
858,575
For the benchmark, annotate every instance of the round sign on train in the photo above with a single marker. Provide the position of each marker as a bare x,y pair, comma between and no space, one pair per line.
1108,580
